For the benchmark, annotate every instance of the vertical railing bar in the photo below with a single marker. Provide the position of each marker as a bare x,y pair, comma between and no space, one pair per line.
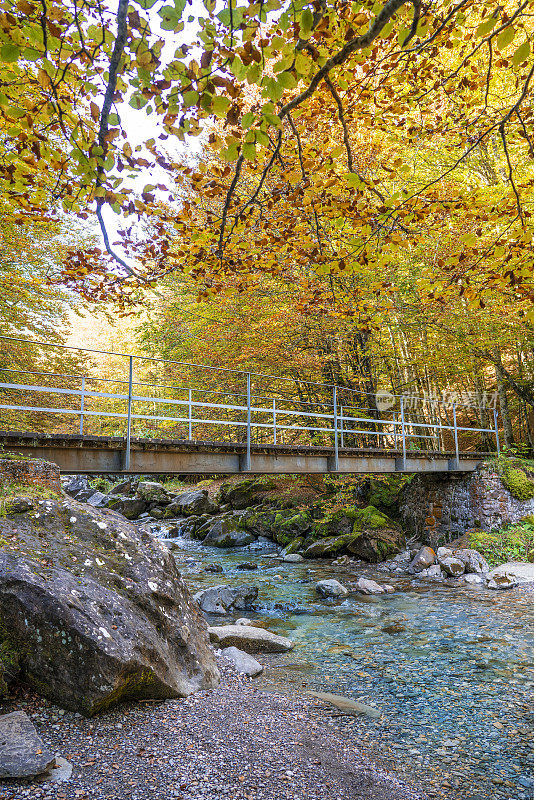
82,405
341,426
394,430
129,428
190,414
336,446
248,463
496,430
456,450
403,434
274,420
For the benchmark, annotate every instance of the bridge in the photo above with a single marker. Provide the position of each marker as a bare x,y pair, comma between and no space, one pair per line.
121,413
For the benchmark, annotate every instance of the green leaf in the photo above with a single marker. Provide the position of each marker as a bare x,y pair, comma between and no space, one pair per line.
272,119
247,120
272,89
9,52
486,27
521,54
137,101
505,37
249,151
237,17
220,105
287,80
306,22
353,180
170,18
253,73
190,99
31,54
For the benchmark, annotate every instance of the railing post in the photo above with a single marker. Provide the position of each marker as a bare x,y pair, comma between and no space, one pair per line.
336,446
402,464
190,412
274,421
456,450
248,462
129,428
82,405
341,426
495,412
394,430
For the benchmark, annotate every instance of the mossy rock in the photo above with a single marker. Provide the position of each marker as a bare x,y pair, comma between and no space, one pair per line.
384,492
334,523
518,479
324,548
375,537
294,546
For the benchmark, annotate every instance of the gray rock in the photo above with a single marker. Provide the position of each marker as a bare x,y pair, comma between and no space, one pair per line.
243,621
110,620
224,599
473,561
195,502
511,574
452,566
225,532
367,586
247,565
475,579
22,753
443,552
331,588
243,662
346,704
213,568
77,484
98,500
293,558
152,492
250,639
424,558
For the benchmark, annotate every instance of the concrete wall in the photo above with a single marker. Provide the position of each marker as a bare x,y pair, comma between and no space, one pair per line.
439,508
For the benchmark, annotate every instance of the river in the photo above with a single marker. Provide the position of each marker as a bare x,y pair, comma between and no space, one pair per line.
451,669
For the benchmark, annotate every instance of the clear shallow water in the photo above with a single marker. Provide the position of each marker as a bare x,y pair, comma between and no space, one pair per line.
451,669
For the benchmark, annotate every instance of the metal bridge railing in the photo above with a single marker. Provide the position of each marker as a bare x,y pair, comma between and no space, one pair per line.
336,418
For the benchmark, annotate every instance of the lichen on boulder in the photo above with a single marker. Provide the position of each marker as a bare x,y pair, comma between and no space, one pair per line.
94,612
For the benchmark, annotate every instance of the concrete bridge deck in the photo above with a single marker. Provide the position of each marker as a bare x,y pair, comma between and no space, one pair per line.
100,454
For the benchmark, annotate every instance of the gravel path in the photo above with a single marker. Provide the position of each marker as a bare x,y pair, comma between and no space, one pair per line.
234,742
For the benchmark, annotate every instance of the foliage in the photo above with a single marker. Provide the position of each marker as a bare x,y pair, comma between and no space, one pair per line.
509,543
518,477
431,140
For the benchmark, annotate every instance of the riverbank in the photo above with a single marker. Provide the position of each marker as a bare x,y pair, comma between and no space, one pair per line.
236,741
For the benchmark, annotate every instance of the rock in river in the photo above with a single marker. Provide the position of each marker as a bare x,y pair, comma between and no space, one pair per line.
249,639
22,753
424,558
223,599
511,574
331,588
95,611
243,662
367,586
452,566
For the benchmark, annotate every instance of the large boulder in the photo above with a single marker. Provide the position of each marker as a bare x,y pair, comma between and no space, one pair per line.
95,612
193,503
224,599
129,507
474,562
224,531
423,559
153,492
375,537
331,546
22,752
244,494
511,574
249,639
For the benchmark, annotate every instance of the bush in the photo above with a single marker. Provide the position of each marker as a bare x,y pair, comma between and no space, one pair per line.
510,543
518,477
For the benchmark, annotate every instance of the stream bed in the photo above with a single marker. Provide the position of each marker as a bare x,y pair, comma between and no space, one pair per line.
451,669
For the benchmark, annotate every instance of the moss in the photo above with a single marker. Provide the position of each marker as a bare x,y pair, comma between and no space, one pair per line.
384,491
135,686
370,518
509,543
295,545
517,476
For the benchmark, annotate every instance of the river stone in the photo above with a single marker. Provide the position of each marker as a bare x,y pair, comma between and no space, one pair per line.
225,532
452,566
293,558
424,558
443,552
97,611
152,492
474,562
250,639
224,599
193,503
510,574
346,704
243,662
331,588
475,579
22,753
367,586
98,500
